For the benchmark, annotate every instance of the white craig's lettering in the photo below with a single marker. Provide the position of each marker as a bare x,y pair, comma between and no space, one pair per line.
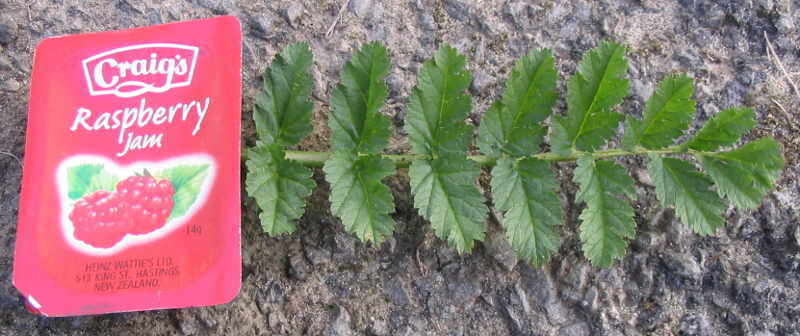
138,69
107,73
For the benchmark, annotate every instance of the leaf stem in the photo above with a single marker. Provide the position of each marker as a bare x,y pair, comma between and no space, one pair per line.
317,159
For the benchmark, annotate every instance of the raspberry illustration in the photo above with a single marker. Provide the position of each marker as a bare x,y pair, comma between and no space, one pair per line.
139,205
100,219
150,202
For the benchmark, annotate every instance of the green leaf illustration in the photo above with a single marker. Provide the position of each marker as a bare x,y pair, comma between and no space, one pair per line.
85,179
79,179
187,180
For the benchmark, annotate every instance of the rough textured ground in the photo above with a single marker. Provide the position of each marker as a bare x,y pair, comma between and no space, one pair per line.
320,281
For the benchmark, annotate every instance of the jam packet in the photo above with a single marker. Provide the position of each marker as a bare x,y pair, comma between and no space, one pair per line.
131,183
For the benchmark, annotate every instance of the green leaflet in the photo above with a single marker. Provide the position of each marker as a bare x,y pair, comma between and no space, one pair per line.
357,195
511,125
667,115
279,186
356,122
438,105
282,112
187,180
445,193
679,184
592,93
747,174
525,190
607,221
724,129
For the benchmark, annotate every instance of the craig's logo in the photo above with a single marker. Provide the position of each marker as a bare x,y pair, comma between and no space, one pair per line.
138,69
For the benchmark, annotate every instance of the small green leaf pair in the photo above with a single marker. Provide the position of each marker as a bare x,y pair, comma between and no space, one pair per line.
282,115
359,133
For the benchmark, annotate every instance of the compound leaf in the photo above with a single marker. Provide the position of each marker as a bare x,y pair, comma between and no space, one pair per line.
679,184
592,93
356,122
438,105
279,186
357,195
667,115
511,125
724,129
445,193
745,175
525,191
282,111
607,221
